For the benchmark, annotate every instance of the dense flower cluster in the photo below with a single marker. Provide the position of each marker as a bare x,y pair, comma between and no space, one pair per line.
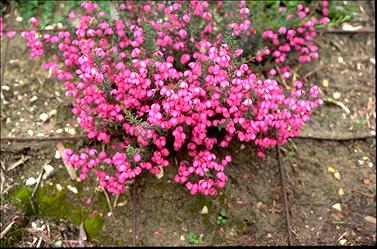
165,77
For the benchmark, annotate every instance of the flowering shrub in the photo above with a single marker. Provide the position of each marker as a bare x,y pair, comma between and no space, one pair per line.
166,77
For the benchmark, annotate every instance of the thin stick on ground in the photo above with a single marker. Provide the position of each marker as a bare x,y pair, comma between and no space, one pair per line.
286,204
41,139
9,227
350,32
356,137
39,181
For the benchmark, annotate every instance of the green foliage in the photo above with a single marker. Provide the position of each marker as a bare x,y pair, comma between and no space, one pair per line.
290,154
340,12
131,151
358,123
221,218
49,12
194,238
150,37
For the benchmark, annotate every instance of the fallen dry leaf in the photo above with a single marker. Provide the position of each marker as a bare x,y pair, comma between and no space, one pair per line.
325,82
370,219
366,181
337,175
204,210
82,235
71,171
349,27
161,174
331,169
337,206
121,204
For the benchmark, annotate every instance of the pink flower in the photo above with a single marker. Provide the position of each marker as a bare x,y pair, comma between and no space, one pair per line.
33,21
137,157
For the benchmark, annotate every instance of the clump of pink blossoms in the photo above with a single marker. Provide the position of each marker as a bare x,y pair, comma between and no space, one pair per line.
161,77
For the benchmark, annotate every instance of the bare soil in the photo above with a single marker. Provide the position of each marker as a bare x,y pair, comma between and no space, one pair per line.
251,203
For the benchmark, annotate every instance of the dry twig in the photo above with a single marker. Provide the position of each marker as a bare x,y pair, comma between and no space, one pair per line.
109,203
9,227
39,181
19,162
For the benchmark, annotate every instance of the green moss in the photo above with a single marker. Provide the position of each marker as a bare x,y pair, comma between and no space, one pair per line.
54,206
240,225
22,194
93,226
58,206
121,242
77,216
21,197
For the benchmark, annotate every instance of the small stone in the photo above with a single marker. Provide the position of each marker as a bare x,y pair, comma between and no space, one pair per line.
30,132
204,210
19,19
365,158
182,238
340,191
258,205
33,99
337,206
373,61
44,117
370,165
242,147
361,162
366,181
72,189
109,214
342,242
59,187
336,95
70,131
49,170
57,155
34,225
59,131
31,181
